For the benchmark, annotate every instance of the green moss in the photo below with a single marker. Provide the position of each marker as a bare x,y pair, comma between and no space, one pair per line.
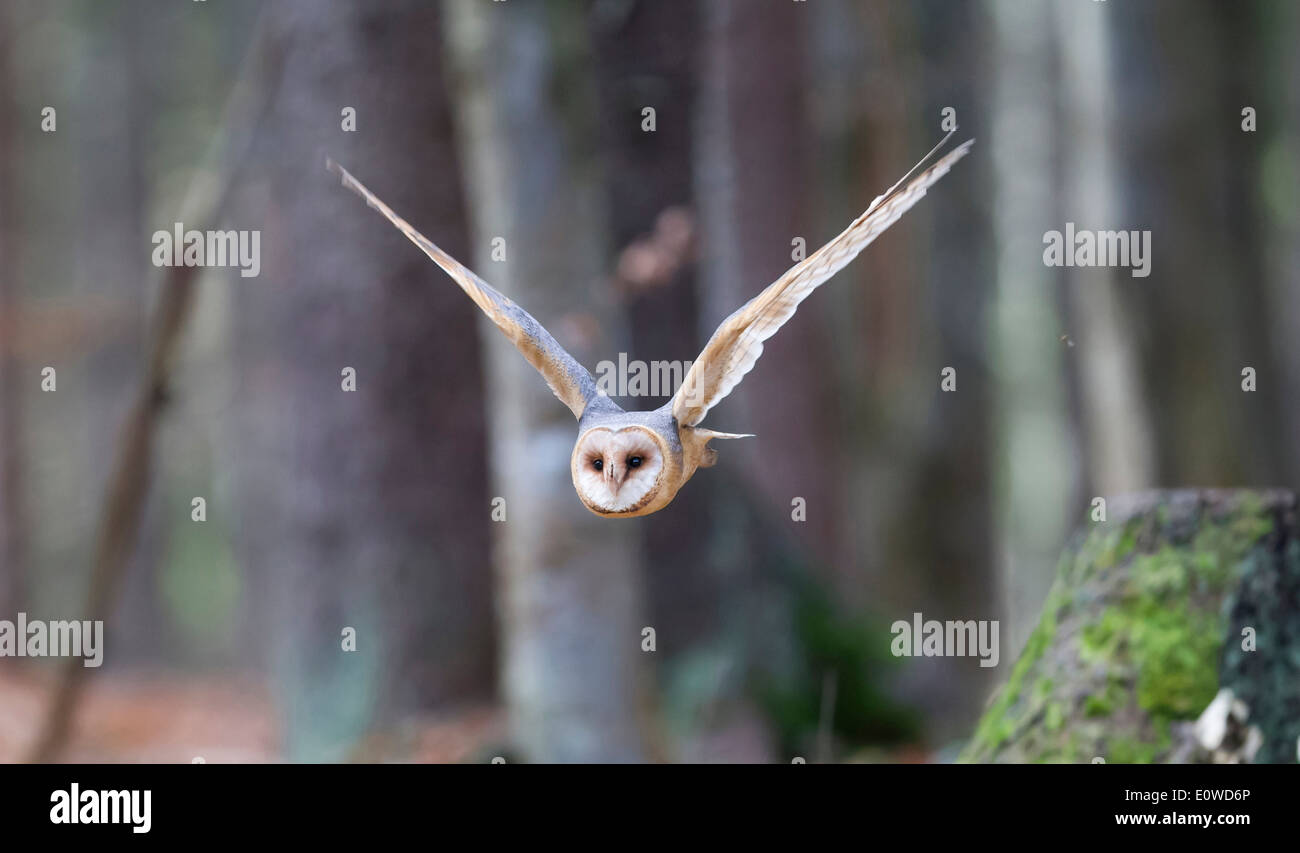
1173,642
1130,750
1113,546
1176,651
1107,552
1128,541
1160,575
1127,750
1113,697
1100,641
1251,524
998,724
1155,628
1218,549
1172,648
1097,706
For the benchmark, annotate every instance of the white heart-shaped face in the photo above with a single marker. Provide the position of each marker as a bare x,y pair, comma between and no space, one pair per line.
617,471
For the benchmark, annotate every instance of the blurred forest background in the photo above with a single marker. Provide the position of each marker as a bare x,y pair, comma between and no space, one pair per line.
524,120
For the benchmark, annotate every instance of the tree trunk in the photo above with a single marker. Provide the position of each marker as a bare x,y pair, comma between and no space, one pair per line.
12,540
1282,192
1199,315
752,184
1177,596
569,584
1117,431
872,309
1040,476
110,221
952,551
646,55
366,509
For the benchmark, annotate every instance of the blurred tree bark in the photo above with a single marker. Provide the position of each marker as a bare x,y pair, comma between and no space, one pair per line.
12,515
872,450
952,549
910,306
750,177
1116,422
1279,190
569,581
112,104
646,57
1188,172
363,509
752,188
1039,485
861,110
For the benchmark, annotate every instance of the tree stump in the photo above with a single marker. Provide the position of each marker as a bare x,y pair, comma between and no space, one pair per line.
1176,597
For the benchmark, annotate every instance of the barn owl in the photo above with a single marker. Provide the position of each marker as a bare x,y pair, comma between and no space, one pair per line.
627,464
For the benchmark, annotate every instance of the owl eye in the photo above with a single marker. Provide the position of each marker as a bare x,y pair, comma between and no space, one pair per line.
597,464
634,461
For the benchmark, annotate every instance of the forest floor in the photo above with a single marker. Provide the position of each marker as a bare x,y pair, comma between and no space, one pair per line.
170,719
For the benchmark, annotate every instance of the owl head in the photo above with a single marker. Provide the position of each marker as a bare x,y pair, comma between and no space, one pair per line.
621,471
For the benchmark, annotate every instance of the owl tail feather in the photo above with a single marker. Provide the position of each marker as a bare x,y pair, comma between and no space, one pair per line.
708,456
709,434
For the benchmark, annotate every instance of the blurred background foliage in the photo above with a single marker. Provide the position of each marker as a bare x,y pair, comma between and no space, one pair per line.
476,119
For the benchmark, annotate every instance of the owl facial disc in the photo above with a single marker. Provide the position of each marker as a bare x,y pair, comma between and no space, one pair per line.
617,471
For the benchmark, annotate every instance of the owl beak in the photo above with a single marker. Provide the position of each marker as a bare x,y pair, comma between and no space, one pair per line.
610,478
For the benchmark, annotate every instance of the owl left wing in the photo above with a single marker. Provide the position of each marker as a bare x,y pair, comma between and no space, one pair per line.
569,380
738,342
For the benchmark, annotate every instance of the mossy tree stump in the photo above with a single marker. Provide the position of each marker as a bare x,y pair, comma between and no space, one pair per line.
1176,595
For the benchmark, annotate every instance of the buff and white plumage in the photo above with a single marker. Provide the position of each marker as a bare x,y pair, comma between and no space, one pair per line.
628,464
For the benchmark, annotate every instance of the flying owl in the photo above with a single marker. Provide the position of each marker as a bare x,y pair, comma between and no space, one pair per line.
628,464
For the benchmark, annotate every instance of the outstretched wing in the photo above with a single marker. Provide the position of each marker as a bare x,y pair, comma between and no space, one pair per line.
738,341
569,380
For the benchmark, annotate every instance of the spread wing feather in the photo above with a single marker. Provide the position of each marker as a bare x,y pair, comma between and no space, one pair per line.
569,380
738,342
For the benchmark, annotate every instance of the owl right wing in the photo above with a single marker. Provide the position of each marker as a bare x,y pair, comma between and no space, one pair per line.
738,342
569,380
